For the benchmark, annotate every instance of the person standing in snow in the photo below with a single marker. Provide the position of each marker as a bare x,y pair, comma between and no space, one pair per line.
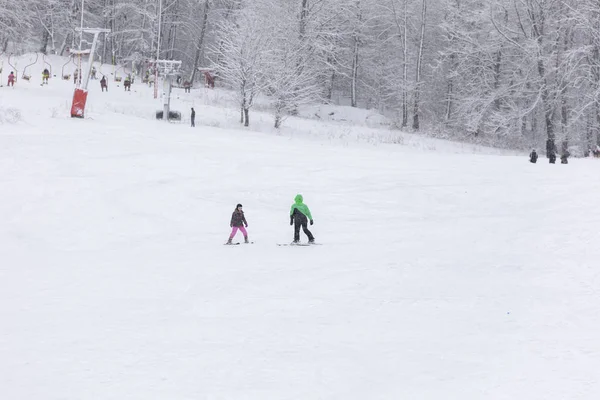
238,221
299,217
533,156
103,83
11,79
193,117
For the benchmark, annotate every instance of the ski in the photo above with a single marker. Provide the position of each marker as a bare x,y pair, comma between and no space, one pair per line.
231,244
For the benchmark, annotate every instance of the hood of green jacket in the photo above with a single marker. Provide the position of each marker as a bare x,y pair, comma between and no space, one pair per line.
300,206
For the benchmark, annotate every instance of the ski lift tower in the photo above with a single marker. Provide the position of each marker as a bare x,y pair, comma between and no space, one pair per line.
168,69
80,95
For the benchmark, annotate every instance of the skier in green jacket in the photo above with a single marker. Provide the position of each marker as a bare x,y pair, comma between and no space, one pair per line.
299,217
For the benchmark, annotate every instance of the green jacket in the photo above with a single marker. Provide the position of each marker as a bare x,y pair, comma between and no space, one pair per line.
300,206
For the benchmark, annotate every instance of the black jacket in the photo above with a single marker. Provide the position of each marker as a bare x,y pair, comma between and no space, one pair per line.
238,219
533,157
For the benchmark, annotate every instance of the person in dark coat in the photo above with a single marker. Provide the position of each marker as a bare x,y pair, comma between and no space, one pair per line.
127,84
238,222
533,156
193,117
103,83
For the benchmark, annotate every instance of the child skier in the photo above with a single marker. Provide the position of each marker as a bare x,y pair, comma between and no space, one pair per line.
45,76
299,217
11,79
238,220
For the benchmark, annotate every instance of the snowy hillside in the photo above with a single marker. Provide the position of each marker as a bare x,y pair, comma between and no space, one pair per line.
442,274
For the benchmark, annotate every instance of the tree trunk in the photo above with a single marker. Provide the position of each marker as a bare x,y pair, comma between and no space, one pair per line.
405,68
246,117
353,101
355,49
63,46
417,106
200,45
538,35
497,71
330,86
44,45
303,19
449,94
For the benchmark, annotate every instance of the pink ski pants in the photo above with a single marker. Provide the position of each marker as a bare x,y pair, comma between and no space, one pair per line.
235,229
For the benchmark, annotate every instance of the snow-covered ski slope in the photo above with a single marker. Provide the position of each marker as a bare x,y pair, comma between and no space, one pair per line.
443,274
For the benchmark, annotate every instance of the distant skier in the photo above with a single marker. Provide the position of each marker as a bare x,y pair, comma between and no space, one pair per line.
11,79
193,117
45,76
238,221
187,86
76,76
103,83
299,217
127,84
533,156
93,75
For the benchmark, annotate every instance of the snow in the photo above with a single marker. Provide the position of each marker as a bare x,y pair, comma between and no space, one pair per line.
446,271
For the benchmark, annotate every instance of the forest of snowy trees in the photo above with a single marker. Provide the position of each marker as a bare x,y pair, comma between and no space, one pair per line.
505,72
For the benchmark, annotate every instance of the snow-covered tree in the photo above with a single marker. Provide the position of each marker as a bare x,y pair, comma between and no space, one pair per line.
244,47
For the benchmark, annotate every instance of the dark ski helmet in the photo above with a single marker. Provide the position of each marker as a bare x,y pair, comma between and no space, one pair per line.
238,206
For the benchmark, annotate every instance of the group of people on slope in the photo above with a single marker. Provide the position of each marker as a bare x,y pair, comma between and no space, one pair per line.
300,217
551,152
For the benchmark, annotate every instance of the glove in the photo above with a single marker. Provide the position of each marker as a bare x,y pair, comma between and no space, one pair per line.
246,225
231,225
312,222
